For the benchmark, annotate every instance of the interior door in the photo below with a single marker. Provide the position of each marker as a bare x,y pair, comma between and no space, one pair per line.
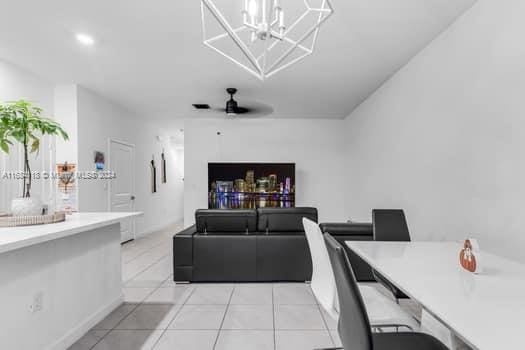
121,194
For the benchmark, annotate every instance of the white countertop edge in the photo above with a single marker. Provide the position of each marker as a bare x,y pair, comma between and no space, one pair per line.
13,238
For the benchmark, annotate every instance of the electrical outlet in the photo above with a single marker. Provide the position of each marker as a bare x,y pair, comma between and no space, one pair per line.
38,302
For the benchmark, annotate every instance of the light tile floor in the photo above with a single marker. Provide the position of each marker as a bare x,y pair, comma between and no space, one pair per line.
158,314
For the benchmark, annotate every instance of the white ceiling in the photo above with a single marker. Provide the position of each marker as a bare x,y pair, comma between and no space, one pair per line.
149,56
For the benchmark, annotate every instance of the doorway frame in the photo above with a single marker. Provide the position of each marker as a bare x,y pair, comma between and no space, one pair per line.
132,146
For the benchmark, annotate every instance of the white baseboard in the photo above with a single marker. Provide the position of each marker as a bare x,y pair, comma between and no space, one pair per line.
78,332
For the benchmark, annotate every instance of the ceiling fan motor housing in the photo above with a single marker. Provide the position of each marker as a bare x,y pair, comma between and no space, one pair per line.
231,105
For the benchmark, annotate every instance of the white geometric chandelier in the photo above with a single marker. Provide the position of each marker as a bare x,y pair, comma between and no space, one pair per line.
255,35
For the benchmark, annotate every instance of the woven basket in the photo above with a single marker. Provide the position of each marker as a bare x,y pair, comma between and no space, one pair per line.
12,221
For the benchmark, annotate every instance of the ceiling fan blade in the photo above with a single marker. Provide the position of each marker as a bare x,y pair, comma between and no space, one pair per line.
243,110
257,109
249,108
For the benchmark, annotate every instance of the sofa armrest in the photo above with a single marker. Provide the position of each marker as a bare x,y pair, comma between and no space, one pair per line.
183,254
189,231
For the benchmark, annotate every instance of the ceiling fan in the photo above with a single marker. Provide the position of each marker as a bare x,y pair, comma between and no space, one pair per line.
232,108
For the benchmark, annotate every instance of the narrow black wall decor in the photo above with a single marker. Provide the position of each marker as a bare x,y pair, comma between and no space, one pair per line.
163,168
153,176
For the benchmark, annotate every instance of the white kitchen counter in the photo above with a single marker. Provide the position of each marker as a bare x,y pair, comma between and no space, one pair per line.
59,280
12,238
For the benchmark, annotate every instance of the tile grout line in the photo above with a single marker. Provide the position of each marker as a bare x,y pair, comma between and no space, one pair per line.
144,252
273,315
126,263
175,316
140,303
129,313
132,310
112,329
223,318
326,324
159,243
146,268
123,318
185,301
155,242
234,288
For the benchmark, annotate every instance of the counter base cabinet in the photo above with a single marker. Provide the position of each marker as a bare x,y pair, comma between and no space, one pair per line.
77,280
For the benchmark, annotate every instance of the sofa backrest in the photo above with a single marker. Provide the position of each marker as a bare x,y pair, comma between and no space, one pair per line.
226,221
347,228
278,220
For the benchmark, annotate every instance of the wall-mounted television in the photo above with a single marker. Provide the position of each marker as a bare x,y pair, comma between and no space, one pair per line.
251,185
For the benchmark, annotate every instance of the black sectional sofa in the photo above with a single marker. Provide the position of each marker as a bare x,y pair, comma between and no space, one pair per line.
263,245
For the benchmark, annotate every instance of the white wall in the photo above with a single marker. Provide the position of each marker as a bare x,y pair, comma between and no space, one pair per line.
16,84
91,120
66,113
99,120
445,137
167,205
316,146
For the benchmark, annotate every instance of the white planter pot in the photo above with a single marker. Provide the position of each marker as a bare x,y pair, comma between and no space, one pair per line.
26,206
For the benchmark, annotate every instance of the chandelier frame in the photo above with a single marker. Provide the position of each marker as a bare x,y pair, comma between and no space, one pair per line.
260,67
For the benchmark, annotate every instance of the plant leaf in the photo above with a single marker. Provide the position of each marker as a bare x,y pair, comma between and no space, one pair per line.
35,145
4,146
23,122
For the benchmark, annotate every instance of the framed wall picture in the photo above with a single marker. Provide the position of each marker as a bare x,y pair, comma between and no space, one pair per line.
241,185
67,189
153,176
99,160
163,168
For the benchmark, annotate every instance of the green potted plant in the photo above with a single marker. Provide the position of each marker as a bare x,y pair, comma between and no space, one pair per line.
22,122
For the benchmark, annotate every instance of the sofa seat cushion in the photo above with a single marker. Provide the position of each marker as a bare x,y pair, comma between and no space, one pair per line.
221,233
281,233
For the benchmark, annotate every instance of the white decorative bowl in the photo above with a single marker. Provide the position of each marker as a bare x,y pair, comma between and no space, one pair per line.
26,206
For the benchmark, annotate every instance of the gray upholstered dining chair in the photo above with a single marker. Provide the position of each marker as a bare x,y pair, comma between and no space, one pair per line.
390,225
354,325
383,312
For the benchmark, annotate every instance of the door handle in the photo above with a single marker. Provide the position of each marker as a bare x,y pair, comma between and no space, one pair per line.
132,198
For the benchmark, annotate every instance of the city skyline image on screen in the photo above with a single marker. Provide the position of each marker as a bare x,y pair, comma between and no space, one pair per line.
251,185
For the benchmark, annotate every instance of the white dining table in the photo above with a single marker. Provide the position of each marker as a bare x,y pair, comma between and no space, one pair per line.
486,310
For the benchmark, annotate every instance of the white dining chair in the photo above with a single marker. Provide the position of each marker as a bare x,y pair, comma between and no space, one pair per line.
384,313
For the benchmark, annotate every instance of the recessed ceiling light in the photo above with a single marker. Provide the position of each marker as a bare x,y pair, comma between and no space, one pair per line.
85,39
